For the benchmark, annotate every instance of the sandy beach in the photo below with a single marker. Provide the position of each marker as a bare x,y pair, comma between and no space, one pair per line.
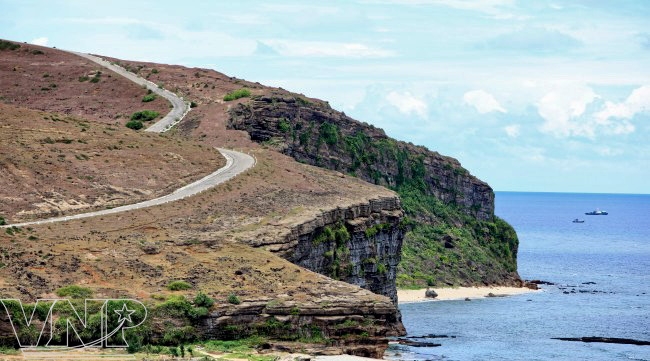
459,293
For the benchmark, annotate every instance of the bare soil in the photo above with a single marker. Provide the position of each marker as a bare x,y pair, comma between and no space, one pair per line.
51,80
200,239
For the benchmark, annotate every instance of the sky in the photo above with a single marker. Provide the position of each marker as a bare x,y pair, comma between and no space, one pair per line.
543,95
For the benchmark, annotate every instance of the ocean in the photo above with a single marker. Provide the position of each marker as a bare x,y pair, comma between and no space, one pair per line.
601,272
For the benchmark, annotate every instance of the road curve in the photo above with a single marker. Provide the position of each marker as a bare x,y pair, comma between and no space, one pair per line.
180,107
236,162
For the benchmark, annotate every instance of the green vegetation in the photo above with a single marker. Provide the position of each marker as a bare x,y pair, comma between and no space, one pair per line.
445,242
454,249
233,299
145,115
96,77
236,94
284,126
335,238
83,78
203,300
2,221
134,124
179,285
8,45
329,133
149,97
193,104
74,291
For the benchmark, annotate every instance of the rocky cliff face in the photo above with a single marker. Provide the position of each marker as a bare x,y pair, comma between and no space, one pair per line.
453,235
359,244
313,133
351,324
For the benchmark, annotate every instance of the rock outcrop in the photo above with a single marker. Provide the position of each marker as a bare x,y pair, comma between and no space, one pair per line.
359,244
454,238
351,324
313,133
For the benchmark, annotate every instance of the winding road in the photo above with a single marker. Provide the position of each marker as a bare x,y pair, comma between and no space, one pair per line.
236,162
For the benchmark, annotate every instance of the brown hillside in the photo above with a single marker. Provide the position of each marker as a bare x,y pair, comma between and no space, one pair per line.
208,239
57,165
56,81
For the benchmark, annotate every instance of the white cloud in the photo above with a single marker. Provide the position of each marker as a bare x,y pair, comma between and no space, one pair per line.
513,130
564,112
637,102
483,101
561,107
40,41
407,103
326,49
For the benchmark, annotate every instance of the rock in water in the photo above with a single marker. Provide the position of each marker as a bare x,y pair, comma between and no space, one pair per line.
430,293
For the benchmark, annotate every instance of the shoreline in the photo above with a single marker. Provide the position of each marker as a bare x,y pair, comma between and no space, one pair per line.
459,293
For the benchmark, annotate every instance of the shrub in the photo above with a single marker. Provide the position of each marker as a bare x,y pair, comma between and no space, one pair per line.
193,104
329,132
178,286
154,71
2,221
203,300
145,115
134,124
236,94
83,78
95,79
232,298
149,98
197,312
284,126
74,291
4,45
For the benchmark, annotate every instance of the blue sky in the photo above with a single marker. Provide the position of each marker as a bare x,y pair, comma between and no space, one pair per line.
528,95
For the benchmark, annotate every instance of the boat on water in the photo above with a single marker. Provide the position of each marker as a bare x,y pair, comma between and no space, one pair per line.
578,220
597,212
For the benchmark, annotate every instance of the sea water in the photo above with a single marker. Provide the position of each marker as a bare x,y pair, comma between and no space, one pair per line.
601,271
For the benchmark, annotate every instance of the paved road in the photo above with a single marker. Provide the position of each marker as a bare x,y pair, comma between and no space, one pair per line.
180,107
236,162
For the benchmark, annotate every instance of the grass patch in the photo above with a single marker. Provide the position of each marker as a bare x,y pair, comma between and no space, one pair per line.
236,94
233,299
134,124
179,285
74,291
149,98
145,115
8,45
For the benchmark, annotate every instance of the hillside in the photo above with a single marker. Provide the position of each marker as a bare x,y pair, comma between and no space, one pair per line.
454,237
46,79
217,240
60,165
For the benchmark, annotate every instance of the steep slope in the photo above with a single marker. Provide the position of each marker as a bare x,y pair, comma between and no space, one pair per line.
454,237
223,242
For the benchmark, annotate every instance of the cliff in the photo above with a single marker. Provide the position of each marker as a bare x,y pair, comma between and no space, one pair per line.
313,133
359,244
454,237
